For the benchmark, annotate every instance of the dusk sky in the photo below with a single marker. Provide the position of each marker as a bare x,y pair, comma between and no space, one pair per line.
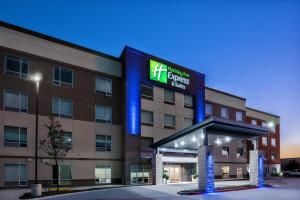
248,48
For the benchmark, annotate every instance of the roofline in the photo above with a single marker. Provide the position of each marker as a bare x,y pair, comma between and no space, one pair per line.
225,93
56,40
266,113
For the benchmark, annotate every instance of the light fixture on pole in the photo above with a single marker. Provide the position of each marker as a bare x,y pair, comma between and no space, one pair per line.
36,188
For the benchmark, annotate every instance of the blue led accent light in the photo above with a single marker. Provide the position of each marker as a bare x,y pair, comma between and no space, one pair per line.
210,175
199,92
133,93
260,171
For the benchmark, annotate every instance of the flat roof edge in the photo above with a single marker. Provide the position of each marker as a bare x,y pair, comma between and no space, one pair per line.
225,93
56,40
266,113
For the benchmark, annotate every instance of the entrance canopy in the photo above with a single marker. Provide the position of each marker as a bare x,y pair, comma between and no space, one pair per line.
211,131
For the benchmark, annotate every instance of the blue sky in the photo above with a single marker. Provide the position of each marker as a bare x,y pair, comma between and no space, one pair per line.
249,48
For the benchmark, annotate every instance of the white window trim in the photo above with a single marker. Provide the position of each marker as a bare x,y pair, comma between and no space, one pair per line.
20,97
108,94
19,180
59,111
227,113
106,108
105,167
20,71
106,141
19,141
60,81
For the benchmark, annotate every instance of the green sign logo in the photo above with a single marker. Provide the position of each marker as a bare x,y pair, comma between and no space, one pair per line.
158,71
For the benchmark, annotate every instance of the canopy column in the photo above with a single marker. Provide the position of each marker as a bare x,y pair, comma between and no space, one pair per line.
205,169
157,166
256,168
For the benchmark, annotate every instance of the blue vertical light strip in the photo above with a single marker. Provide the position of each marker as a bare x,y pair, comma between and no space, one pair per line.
210,174
133,92
199,91
260,171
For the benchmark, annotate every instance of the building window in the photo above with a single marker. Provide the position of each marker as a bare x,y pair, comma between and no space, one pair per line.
224,112
264,141
15,175
208,109
147,117
67,139
103,143
272,129
103,174
169,96
225,151
104,86
188,122
139,174
273,142
239,152
63,174
104,114
147,91
62,76
16,101
169,121
188,101
273,156
15,137
16,65
225,172
254,122
239,116
62,107
264,124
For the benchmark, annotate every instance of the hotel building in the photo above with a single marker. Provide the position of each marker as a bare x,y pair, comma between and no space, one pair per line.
119,114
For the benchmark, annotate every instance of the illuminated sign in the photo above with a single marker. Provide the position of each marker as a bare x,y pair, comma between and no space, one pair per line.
169,75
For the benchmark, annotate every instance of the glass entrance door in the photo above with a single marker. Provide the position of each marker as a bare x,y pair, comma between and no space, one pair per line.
174,172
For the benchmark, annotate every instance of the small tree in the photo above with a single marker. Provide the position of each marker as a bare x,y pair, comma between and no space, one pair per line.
55,145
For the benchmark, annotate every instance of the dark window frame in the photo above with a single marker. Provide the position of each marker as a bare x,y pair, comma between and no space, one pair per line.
145,96
107,147
60,82
21,62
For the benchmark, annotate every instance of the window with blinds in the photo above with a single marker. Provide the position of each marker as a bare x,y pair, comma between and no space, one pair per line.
15,101
15,136
169,96
104,86
188,122
147,117
62,107
103,143
147,91
15,175
188,101
103,114
169,121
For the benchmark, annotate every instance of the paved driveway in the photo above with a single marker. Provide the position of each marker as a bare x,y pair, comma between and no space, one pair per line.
285,189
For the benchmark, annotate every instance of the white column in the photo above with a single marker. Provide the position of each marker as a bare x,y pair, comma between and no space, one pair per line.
157,167
205,169
256,168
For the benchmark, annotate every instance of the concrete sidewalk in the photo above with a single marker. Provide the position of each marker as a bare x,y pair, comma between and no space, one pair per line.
13,194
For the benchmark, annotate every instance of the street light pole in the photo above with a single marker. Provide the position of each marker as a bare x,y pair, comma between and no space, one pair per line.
36,189
36,130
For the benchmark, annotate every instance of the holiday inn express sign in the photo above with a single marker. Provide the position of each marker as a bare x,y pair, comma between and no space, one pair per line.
169,75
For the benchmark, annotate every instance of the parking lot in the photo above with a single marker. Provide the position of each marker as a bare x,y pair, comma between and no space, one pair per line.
284,188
